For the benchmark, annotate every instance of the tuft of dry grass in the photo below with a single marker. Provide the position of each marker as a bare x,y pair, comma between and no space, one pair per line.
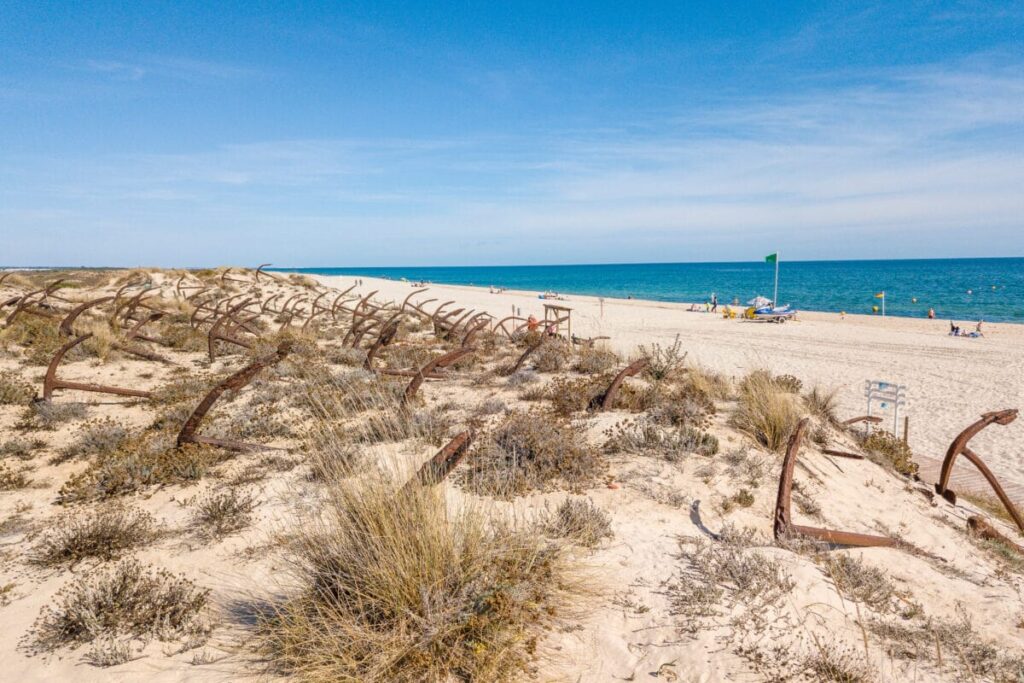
823,404
765,411
394,586
579,520
127,599
532,452
987,503
221,513
713,384
103,534
14,390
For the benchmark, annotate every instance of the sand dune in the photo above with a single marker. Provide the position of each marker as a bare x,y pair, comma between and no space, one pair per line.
951,381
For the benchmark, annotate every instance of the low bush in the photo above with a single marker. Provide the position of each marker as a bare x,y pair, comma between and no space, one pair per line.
126,599
11,479
147,460
523,377
50,415
721,575
104,534
22,449
591,361
951,643
663,361
646,437
95,436
552,356
579,520
221,513
884,447
14,390
532,451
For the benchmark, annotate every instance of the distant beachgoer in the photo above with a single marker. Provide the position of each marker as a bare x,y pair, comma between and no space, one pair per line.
931,314
714,302
977,328
531,323
954,330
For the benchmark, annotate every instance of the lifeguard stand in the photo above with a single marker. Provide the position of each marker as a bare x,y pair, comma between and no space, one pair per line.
556,315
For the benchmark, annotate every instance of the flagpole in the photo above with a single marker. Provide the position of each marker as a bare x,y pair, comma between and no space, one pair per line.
775,300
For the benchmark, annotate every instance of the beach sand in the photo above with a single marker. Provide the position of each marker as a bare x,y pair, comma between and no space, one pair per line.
950,380
659,507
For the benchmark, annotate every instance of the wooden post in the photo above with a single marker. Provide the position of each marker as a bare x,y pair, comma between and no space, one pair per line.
906,429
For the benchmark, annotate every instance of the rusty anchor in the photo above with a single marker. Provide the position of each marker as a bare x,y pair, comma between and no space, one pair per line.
605,400
437,469
783,526
959,447
428,369
233,382
51,382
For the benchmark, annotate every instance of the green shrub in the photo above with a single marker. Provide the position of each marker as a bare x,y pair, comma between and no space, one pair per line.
891,451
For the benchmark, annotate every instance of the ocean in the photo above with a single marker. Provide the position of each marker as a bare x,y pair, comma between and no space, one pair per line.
958,289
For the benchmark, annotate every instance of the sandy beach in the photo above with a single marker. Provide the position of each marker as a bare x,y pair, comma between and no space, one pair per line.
654,515
950,380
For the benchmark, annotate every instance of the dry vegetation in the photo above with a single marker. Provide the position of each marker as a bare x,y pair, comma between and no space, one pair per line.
664,500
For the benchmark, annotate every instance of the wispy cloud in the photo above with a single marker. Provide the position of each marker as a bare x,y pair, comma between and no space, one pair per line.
903,162
177,68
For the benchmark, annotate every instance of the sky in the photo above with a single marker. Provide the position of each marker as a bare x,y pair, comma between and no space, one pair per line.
478,133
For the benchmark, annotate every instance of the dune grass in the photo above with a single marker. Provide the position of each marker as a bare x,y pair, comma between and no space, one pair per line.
395,586
766,410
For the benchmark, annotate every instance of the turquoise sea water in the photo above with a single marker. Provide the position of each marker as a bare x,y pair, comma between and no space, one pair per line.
958,289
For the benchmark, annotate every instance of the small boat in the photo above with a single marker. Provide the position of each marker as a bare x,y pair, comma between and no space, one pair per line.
763,310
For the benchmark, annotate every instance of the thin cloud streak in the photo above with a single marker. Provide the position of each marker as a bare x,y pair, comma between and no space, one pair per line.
880,170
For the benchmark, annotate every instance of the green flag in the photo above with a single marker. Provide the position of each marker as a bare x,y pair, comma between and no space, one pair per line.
771,258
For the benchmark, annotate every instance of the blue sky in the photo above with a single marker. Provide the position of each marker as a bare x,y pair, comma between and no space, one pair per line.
384,133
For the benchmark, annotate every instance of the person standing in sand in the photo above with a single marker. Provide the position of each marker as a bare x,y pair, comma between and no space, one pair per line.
714,302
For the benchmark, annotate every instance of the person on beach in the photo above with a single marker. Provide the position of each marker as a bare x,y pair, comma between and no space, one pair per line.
714,302
531,323
931,314
977,329
954,330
